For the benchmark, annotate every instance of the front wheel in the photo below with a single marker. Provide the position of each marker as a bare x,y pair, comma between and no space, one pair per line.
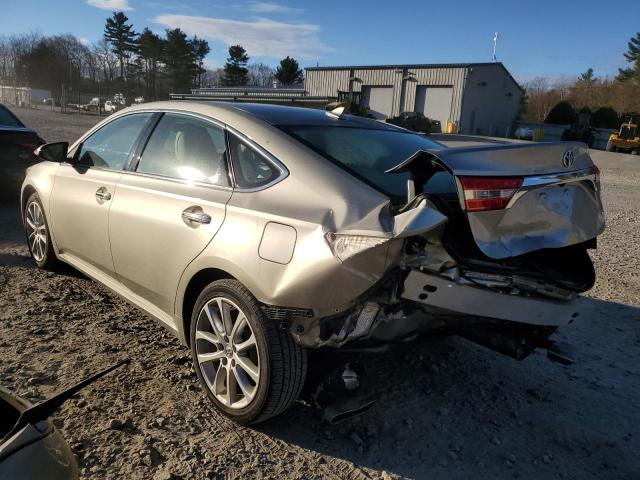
251,369
37,232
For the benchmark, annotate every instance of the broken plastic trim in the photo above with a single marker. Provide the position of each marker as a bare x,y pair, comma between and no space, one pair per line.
44,409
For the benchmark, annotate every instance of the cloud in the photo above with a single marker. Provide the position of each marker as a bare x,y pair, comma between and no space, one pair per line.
84,41
262,37
269,7
113,5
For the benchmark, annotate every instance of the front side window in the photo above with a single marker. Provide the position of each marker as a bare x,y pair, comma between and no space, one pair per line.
186,148
110,146
251,169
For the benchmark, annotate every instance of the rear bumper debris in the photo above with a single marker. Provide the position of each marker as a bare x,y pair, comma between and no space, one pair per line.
481,302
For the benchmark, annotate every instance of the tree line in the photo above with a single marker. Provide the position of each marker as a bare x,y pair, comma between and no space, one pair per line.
609,101
135,64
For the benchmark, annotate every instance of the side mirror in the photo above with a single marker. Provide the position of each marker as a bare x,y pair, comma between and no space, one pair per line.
53,152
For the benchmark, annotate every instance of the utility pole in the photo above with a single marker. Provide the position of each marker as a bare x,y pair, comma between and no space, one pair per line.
495,45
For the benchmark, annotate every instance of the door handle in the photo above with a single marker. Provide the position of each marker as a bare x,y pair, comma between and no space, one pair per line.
103,195
197,217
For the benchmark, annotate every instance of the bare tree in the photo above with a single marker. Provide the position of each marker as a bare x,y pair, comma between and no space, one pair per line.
260,75
212,78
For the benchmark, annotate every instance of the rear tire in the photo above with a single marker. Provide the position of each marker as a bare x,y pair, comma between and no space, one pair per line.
248,384
610,147
37,233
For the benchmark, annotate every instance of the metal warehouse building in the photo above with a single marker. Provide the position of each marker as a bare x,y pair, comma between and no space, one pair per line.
481,98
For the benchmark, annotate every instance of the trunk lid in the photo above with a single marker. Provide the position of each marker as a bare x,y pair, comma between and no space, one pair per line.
557,204
517,159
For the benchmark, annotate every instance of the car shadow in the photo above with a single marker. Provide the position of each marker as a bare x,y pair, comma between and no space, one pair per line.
448,407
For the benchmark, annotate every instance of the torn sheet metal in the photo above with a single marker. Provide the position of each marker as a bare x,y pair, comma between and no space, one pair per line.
558,204
416,221
547,217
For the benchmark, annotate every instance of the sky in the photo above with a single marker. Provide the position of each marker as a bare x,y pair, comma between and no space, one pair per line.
554,39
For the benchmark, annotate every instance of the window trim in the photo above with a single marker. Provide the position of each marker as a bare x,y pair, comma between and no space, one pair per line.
147,131
268,157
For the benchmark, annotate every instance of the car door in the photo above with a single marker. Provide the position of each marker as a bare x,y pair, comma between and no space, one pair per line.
169,206
85,188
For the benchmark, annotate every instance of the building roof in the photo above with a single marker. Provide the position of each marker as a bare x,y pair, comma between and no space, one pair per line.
417,65
408,65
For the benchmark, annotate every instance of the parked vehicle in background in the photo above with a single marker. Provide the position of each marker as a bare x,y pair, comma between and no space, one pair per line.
627,139
17,144
523,133
94,104
111,107
51,101
256,232
416,122
138,100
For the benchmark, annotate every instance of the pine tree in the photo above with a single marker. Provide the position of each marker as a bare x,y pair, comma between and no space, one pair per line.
633,57
179,59
289,72
587,78
200,50
235,70
150,50
121,37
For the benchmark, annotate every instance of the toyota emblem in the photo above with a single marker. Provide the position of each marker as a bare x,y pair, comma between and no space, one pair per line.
568,158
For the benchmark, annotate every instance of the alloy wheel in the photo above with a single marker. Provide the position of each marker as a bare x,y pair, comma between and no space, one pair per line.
36,231
227,352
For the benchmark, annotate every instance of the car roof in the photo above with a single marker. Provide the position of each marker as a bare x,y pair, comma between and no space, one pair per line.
273,115
285,115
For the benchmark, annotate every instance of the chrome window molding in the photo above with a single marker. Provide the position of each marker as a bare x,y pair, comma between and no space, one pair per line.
283,171
102,169
178,180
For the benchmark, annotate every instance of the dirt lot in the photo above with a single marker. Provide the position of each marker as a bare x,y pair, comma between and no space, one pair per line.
447,408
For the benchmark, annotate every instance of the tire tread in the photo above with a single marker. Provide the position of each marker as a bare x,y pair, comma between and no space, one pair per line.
287,359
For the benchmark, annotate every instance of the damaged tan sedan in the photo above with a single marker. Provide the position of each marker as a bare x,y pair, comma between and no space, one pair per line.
258,232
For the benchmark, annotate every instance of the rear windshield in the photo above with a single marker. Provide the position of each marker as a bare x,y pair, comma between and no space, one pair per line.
366,152
7,119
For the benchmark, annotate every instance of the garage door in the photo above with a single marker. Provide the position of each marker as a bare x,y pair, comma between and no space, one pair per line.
379,100
435,102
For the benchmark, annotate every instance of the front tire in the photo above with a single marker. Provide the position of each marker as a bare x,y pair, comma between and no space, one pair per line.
37,232
251,369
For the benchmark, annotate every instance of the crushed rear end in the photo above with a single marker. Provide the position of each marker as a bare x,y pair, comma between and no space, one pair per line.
492,245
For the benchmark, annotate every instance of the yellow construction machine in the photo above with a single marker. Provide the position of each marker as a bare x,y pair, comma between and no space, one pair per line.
627,139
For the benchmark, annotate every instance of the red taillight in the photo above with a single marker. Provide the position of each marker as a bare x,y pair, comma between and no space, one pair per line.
488,193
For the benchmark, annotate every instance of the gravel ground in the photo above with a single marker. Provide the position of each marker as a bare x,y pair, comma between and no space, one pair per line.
447,408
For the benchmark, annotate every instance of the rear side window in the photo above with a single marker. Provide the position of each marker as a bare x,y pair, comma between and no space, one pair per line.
186,148
366,153
250,168
7,119
110,146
